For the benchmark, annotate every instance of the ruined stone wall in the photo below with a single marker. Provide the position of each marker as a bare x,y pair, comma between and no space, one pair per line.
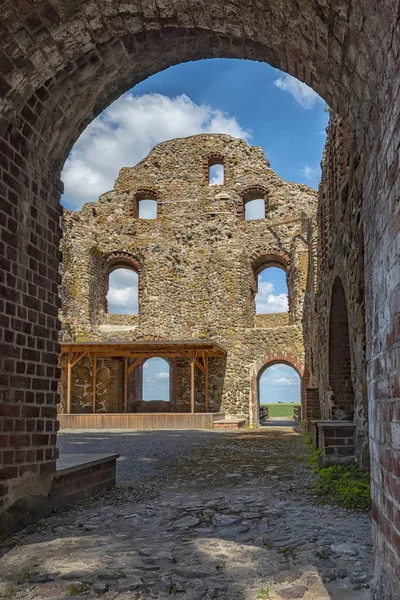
336,346
197,262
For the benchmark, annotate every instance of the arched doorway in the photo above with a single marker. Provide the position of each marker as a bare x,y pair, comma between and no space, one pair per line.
257,370
340,381
279,395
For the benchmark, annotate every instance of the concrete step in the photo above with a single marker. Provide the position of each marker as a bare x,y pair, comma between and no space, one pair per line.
229,423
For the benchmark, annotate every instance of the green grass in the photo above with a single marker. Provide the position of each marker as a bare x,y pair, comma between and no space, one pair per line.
8,591
348,486
281,410
345,485
264,593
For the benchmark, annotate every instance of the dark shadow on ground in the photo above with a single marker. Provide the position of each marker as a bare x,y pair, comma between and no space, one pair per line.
279,422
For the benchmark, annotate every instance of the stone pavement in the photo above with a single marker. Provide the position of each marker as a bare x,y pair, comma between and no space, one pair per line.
233,519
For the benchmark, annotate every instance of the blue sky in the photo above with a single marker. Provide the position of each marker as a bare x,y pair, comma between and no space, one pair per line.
279,383
156,379
242,98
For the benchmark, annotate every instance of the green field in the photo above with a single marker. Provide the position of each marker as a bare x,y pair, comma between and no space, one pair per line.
281,410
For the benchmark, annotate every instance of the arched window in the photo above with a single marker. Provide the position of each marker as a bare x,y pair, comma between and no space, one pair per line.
156,379
279,387
123,293
255,203
145,204
121,287
214,169
272,291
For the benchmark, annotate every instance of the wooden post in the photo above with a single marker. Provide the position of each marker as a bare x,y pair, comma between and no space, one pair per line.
94,383
69,383
125,384
192,384
206,383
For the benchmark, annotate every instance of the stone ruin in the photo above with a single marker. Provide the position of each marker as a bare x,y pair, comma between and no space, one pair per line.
65,61
198,263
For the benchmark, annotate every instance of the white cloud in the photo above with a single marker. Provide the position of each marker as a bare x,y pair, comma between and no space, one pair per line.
284,381
267,301
148,209
272,379
310,173
122,297
126,132
217,175
255,209
161,375
303,94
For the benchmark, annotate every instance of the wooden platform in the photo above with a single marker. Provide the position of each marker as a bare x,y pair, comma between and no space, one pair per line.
137,421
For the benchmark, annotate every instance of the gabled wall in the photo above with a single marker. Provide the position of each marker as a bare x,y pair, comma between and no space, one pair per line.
197,262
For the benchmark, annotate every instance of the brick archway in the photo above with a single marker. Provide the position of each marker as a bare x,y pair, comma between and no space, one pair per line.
260,366
64,62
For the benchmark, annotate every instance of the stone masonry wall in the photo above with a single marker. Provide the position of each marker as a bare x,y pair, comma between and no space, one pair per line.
197,262
336,346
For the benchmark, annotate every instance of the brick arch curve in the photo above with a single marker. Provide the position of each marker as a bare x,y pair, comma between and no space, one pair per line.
110,54
273,257
261,365
117,260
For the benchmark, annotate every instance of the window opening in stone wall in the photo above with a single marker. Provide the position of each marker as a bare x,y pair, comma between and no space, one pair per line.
122,296
156,379
147,208
254,200
279,395
254,209
272,291
216,173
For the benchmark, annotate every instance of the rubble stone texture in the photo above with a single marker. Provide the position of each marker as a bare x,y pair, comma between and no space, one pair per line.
229,515
64,61
198,264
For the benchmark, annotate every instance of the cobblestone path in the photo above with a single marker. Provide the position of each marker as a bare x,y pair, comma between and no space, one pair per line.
233,519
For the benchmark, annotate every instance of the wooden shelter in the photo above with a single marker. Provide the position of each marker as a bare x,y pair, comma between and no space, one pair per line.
196,353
